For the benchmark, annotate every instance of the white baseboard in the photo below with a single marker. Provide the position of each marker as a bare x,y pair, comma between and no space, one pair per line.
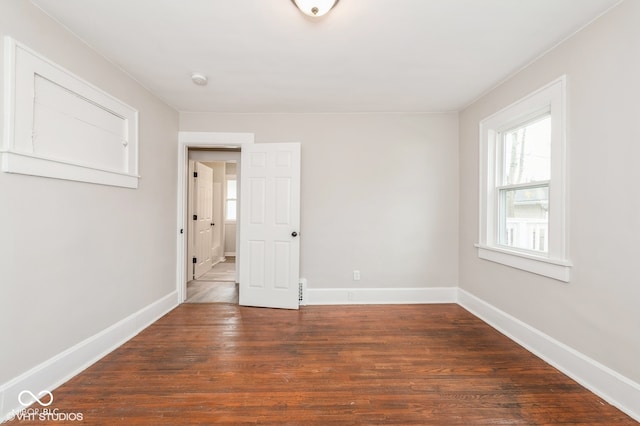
611,386
62,367
380,296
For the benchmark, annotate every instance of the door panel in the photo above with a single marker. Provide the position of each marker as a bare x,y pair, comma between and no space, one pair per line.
283,200
257,264
270,224
258,201
282,261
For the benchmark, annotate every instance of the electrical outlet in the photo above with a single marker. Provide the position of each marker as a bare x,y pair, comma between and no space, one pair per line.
350,296
356,275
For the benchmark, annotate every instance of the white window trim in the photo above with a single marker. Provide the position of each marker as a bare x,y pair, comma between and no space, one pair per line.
17,155
554,264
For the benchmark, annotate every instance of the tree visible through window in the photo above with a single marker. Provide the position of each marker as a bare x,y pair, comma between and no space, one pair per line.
524,185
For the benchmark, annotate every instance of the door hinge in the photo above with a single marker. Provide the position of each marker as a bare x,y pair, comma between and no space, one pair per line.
195,260
195,217
195,174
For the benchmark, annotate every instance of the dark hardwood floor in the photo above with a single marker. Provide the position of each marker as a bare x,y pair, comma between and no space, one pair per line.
393,364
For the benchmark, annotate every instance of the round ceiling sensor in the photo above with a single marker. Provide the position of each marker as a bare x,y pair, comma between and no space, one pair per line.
199,79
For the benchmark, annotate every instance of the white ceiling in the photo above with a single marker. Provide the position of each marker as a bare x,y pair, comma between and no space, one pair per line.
364,56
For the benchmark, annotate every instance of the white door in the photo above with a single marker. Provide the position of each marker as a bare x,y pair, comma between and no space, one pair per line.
269,225
203,218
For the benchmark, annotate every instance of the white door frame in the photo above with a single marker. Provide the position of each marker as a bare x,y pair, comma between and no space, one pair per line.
188,140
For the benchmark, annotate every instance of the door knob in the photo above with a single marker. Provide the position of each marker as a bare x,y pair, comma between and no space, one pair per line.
294,234
213,224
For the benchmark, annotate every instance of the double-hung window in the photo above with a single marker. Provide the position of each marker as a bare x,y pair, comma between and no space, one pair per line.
231,199
523,188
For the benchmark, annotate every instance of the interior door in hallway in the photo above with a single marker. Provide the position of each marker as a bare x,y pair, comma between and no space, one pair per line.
269,225
203,218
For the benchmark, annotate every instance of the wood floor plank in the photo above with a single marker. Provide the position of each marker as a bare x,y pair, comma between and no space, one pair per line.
392,364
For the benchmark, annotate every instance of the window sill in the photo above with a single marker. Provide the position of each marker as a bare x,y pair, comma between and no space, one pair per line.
35,165
553,268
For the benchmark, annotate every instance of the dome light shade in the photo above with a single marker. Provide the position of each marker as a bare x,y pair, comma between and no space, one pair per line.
315,8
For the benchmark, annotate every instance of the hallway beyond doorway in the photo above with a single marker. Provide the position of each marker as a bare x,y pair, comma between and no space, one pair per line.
215,286
221,271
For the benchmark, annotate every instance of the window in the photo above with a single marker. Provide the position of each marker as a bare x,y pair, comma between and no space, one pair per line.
522,197
232,199
523,185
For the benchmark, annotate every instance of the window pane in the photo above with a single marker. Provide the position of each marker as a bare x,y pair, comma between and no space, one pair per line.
231,189
231,210
527,152
525,218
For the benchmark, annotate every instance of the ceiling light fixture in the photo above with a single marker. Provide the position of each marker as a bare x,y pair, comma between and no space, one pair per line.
314,8
199,79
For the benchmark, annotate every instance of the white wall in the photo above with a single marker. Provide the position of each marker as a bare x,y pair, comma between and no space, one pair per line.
597,312
379,193
76,258
230,239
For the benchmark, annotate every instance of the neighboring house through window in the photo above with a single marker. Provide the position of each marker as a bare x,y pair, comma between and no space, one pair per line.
522,191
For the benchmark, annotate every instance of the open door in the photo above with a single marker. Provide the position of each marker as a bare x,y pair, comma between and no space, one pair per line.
269,225
203,219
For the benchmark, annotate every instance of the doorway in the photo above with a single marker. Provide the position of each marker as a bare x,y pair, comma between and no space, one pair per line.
212,231
194,141
269,225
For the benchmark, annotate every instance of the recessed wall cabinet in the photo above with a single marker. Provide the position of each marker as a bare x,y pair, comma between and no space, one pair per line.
60,126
